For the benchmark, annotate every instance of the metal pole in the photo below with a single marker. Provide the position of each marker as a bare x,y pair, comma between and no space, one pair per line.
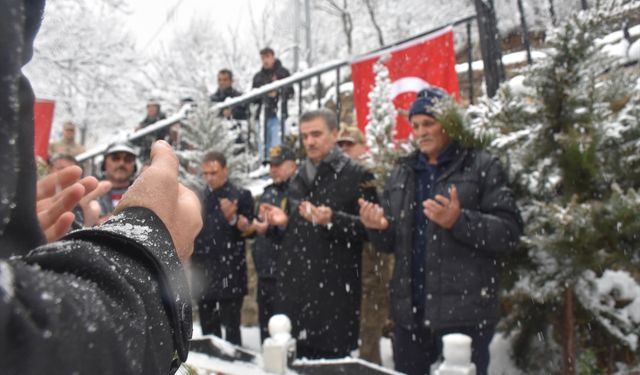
265,152
470,62
299,98
300,144
319,91
490,46
525,32
283,112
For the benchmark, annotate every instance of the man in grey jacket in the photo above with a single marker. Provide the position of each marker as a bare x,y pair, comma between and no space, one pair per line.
447,215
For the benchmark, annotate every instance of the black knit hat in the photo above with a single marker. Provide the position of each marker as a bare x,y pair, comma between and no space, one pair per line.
426,100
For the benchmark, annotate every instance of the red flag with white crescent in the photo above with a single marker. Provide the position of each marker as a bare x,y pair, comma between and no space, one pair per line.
43,118
428,61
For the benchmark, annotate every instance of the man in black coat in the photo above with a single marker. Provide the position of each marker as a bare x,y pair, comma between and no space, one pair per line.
319,265
107,300
154,114
219,262
233,114
272,70
448,216
225,90
268,241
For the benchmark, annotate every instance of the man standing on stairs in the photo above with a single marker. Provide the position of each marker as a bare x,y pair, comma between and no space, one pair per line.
272,70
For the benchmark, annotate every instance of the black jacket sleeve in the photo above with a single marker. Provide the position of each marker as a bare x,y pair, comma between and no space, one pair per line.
108,300
384,240
347,225
496,225
287,92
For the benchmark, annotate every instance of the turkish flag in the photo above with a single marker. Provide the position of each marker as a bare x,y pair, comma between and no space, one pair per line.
429,61
43,117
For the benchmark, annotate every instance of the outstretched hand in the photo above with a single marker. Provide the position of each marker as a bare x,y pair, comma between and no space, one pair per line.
442,210
90,206
56,196
157,188
372,215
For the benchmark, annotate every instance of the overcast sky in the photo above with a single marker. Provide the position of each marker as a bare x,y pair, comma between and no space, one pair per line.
152,21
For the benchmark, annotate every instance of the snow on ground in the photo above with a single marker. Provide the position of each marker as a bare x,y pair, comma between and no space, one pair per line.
509,59
501,363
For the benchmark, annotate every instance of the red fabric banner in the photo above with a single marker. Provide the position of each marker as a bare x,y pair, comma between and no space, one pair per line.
43,118
429,61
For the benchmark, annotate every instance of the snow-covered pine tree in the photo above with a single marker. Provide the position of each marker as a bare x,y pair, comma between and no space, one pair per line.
381,124
570,137
204,131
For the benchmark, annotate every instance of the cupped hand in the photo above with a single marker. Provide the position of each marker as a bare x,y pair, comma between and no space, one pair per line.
442,210
56,195
372,215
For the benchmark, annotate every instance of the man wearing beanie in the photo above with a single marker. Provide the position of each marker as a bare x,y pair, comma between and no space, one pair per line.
447,215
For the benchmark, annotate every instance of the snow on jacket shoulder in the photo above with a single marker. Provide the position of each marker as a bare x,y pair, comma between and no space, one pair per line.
109,300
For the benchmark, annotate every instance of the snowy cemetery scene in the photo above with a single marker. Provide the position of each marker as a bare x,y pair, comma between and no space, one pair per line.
320,187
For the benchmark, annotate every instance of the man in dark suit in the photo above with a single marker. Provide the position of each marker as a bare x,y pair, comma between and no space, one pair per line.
219,263
319,265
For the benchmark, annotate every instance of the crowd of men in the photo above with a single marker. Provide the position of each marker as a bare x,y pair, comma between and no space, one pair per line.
326,243
327,247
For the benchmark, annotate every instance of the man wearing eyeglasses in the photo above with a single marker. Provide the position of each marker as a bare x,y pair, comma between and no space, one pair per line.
119,168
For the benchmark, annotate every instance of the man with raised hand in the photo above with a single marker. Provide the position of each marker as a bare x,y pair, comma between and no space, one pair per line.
268,242
319,265
219,261
447,214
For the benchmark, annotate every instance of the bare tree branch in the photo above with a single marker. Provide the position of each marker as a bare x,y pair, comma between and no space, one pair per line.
333,8
371,9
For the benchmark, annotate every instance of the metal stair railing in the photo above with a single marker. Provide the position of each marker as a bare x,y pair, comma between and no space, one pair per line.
298,78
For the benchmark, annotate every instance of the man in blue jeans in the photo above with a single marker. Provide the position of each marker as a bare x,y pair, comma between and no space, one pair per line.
272,70
447,215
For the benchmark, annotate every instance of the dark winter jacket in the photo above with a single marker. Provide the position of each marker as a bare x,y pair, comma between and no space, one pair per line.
462,263
19,23
148,120
267,247
101,301
219,253
266,76
238,112
319,266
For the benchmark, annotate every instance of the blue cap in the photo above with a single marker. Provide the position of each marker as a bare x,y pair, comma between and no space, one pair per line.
426,100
